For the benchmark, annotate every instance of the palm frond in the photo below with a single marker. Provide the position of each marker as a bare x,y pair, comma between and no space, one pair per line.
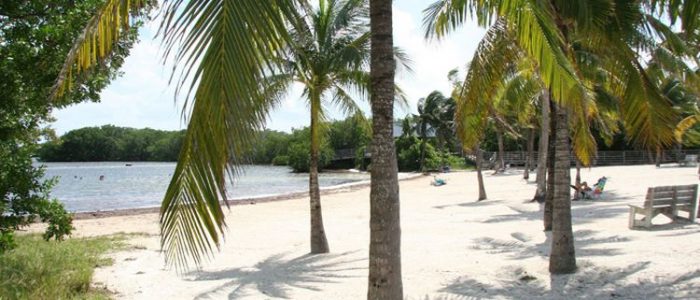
444,16
539,37
222,50
684,125
98,38
492,61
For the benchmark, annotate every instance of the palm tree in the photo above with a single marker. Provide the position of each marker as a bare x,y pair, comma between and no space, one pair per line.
432,111
547,32
385,226
327,56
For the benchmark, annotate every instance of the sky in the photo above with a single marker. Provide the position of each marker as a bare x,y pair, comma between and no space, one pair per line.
142,96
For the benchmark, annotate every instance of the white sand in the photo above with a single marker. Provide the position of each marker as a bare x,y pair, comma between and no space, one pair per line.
452,246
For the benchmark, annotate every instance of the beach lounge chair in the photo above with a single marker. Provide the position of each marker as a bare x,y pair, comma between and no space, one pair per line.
438,181
595,193
598,188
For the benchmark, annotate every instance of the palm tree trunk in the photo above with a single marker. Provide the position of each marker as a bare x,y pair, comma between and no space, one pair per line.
549,195
529,155
319,243
562,259
577,182
385,230
658,156
542,149
423,137
501,151
479,177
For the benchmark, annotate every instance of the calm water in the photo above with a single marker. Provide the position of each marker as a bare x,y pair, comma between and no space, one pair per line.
143,184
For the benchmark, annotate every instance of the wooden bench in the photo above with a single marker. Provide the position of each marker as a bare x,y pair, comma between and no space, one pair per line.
667,200
691,160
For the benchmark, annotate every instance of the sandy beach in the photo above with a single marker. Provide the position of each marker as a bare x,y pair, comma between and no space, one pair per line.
452,246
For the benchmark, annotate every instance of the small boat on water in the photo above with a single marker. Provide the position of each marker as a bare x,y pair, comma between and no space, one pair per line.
128,165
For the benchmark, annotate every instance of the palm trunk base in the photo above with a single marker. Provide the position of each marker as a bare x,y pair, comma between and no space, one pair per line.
319,243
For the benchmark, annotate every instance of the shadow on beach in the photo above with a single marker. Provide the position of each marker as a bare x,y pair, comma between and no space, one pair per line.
610,283
274,276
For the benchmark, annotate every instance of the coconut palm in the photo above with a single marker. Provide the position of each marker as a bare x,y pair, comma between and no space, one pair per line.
328,56
432,112
547,32
385,226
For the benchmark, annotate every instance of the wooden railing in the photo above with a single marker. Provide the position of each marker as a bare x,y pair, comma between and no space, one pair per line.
603,158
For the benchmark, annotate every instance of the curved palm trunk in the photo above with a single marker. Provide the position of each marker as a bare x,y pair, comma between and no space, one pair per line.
501,152
562,259
385,230
543,149
479,177
319,243
529,155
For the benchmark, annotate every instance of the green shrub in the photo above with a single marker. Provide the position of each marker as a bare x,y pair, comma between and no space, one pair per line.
454,161
7,241
280,160
60,222
409,156
40,270
299,156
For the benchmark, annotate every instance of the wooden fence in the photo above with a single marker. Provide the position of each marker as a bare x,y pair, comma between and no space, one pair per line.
603,158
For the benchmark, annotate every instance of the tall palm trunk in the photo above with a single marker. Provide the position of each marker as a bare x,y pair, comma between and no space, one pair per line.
658,157
319,243
385,231
501,152
542,149
529,155
549,195
424,139
562,259
479,177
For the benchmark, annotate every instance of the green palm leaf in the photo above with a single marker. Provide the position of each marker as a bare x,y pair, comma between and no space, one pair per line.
98,39
224,49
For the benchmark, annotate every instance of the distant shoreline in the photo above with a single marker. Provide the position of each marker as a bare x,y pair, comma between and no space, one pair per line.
341,188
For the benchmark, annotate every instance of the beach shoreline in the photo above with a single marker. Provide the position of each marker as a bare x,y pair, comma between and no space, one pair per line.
340,188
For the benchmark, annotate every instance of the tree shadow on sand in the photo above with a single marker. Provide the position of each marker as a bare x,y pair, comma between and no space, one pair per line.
470,204
274,276
522,247
590,282
581,212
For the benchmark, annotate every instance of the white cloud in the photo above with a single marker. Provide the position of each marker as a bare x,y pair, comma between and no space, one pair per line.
143,97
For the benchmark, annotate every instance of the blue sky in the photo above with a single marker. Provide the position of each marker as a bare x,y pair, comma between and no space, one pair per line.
142,97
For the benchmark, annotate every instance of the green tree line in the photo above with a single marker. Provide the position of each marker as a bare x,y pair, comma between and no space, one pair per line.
112,143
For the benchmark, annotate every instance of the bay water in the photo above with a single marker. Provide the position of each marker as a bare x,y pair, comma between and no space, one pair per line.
143,184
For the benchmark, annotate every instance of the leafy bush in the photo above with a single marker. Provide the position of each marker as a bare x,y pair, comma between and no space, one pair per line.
24,194
299,156
7,241
60,222
280,160
409,151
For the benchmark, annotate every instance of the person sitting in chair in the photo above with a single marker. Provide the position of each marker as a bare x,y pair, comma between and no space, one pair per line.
438,181
582,191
